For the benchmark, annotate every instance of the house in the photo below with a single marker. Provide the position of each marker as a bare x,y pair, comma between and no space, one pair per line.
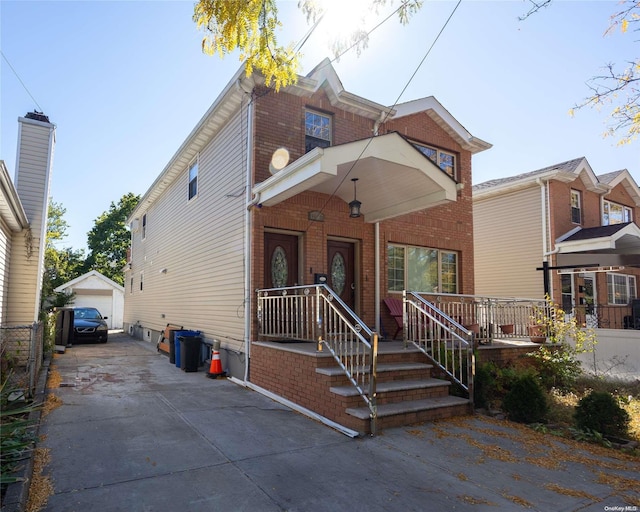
23,221
97,291
283,190
569,233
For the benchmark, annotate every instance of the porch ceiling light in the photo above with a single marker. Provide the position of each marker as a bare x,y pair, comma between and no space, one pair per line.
354,206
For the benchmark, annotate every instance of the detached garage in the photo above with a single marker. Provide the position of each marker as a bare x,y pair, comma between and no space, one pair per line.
98,291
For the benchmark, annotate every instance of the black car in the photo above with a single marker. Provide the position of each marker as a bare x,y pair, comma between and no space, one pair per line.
89,325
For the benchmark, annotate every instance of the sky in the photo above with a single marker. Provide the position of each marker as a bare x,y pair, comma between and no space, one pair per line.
125,82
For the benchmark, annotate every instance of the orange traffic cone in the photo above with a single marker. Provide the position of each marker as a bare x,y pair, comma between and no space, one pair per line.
215,368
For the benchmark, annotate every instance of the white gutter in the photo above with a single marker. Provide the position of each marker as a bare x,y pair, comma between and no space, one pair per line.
247,239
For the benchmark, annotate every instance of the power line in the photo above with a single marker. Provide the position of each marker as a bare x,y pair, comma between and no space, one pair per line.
399,96
20,80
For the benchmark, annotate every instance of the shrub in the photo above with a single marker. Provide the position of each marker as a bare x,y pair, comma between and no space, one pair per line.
525,402
485,385
558,366
599,411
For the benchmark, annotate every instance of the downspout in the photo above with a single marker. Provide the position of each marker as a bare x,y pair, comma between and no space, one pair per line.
377,277
247,239
546,229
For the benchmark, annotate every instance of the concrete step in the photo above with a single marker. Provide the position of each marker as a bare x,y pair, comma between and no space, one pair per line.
392,386
412,408
382,368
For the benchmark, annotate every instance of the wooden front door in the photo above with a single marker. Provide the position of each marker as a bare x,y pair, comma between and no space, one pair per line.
280,260
341,271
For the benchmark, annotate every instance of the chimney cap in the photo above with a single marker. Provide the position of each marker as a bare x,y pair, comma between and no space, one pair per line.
38,116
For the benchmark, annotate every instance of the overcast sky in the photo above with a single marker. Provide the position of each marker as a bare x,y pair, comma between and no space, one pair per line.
125,82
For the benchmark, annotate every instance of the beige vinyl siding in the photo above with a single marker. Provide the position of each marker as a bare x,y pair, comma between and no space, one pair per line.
508,244
5,253
200,243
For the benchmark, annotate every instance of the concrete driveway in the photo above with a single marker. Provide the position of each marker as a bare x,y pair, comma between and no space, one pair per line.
134,433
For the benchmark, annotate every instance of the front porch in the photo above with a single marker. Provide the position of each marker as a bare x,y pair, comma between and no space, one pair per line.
315,352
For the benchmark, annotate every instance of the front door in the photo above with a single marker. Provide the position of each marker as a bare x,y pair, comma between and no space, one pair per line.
341,272
280,260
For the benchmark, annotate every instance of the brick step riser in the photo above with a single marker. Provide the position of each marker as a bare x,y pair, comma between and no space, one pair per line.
393,397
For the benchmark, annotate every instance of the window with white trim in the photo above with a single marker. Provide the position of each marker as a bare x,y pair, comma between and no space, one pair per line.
317,130
443,159
144,226
614,213
421,269
141,280
193,179
576,213
621,288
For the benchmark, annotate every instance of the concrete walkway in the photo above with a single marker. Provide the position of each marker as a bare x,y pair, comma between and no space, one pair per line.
135,433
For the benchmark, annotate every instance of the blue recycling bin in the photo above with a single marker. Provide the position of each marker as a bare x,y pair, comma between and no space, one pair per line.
176,338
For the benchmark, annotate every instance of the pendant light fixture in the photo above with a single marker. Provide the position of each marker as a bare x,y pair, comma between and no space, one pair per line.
354,206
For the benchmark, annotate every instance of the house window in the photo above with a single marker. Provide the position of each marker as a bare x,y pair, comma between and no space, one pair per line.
193,179
613,213
422,269
443,159
621,288
317,130
144,226
141,280
576,216
131,285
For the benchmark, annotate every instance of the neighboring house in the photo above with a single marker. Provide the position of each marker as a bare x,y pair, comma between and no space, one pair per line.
581,227
97,291
221,221
23,221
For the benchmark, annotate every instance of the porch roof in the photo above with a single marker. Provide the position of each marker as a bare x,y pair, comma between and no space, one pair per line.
618,244
394,178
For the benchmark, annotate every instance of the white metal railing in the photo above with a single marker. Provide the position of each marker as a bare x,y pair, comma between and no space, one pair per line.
315,313
445,341
490,317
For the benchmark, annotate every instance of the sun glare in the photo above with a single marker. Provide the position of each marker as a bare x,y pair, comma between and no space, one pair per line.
344,17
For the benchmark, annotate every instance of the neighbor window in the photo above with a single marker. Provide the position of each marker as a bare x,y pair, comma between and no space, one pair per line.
193,179
443,159
317,130
421,269
141,280
576,216
144,226
131,285
613,213
567,295
621,288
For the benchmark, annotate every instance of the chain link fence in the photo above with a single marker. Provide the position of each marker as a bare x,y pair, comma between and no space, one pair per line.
21,355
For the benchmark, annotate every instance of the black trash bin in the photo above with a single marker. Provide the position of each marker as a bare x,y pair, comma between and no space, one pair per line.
190,353
172,346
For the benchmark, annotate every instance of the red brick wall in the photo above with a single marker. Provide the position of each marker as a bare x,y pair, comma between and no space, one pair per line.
279,122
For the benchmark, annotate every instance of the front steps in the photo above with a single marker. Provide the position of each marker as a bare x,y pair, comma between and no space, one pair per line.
407,388
406,393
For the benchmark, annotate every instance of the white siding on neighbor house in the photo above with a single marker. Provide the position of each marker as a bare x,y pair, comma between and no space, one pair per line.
200,243
35,154
508,244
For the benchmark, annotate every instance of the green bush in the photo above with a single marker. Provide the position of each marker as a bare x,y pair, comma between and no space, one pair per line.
525,402
485,385
600,412
558,366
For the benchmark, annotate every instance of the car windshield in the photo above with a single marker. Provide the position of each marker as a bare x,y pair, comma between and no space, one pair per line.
89,313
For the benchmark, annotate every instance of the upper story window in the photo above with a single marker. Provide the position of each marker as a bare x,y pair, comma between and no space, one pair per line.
443,159
144,226
141,281
613,213
576,214
422,269
193,179
621,288
317,130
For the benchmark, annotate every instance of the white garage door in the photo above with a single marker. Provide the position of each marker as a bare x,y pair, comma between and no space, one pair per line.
103,303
